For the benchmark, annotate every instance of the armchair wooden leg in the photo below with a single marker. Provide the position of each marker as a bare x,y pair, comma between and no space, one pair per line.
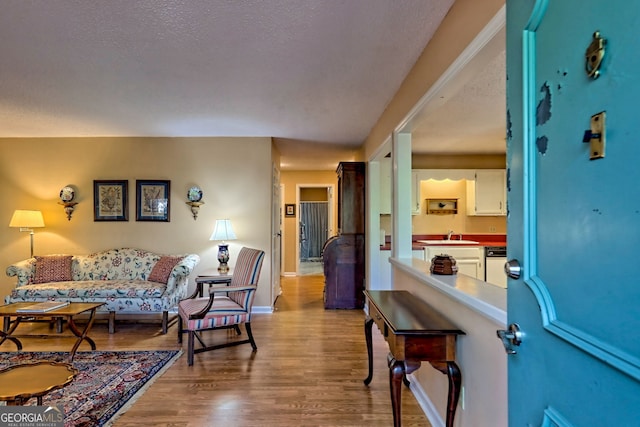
237,328
253,343
180,329
190,348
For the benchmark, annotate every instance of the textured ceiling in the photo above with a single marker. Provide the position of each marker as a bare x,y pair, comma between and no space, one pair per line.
471,118
316,75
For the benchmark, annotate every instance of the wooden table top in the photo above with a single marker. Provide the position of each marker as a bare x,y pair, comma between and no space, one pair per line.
34,379
69,310
407,314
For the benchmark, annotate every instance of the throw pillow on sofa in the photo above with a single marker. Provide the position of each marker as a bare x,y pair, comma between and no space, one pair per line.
162,270
52,268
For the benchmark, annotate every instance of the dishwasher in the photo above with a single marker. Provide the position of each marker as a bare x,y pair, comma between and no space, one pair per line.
494,259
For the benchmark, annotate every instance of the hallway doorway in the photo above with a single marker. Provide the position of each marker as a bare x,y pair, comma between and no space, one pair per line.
315,226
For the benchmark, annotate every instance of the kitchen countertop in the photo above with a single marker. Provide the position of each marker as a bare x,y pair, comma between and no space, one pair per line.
482,239
488,300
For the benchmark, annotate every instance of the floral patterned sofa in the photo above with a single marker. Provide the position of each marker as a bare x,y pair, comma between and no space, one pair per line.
126,280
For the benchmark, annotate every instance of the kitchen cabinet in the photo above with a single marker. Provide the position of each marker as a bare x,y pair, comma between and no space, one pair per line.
469,259
487,193
385,188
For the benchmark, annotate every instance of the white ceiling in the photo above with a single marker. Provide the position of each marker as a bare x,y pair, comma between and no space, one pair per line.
468,113
314,74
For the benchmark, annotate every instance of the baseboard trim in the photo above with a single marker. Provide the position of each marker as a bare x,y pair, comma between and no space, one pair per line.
261,310
425,403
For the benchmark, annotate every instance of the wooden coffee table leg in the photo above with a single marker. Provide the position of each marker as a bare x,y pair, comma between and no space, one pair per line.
7,335
81,335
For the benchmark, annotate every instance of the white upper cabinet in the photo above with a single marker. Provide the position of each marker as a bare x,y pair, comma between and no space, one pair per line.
487,193
486,188
386,193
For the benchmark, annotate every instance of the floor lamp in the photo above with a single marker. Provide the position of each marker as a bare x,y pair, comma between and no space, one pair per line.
27,221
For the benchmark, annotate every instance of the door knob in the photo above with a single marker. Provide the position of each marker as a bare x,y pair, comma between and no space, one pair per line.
512,269
510,338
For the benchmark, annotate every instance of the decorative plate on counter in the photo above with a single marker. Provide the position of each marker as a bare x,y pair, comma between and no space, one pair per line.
67,194
194,194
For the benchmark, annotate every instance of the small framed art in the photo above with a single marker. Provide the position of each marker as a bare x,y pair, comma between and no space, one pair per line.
290,210
152,200
110,200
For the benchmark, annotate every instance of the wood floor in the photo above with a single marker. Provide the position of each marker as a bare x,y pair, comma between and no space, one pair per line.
307,371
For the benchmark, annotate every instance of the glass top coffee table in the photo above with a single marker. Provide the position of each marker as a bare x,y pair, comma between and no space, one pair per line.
20,383
67,312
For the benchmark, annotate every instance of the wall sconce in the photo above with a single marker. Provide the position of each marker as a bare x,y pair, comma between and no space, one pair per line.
66,199
27,221
195,196
223,231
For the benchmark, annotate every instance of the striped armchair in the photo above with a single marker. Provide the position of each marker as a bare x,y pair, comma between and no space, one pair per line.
226,307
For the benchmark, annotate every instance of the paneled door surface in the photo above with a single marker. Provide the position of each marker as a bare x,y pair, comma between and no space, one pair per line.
574,212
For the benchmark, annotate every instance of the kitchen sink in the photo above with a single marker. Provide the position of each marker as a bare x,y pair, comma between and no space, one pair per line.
448,242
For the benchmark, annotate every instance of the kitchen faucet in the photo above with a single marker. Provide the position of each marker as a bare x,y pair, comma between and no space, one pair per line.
449,233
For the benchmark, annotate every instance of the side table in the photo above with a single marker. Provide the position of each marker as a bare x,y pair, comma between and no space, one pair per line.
212,277
20,383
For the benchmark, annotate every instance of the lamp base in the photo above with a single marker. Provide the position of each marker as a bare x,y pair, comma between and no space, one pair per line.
223,257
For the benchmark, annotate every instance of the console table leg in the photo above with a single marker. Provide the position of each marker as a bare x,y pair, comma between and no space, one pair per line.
396,377
368,324
452,371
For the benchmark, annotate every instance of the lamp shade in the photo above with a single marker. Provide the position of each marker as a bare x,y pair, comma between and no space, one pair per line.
26,219
223,231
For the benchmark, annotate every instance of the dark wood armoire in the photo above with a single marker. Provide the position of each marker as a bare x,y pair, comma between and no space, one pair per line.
343,254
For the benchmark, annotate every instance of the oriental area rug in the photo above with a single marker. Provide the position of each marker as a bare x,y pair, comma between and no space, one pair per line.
107,384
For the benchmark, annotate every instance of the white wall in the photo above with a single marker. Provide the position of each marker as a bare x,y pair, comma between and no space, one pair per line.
234,174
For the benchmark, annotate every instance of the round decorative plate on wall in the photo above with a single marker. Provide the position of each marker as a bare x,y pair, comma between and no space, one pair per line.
194,194
67,194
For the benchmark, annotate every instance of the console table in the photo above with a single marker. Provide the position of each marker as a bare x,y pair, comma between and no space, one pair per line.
415,332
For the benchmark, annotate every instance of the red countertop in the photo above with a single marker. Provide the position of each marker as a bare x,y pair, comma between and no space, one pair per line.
482,239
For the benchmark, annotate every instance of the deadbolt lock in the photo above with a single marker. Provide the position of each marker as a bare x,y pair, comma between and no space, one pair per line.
597,136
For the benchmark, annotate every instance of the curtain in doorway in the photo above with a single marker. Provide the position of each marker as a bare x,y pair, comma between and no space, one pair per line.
314,223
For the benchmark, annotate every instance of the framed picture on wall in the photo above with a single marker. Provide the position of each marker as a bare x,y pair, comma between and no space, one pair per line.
290,210
152,200
110,200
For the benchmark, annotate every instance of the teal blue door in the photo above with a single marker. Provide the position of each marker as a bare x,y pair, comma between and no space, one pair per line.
574,221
